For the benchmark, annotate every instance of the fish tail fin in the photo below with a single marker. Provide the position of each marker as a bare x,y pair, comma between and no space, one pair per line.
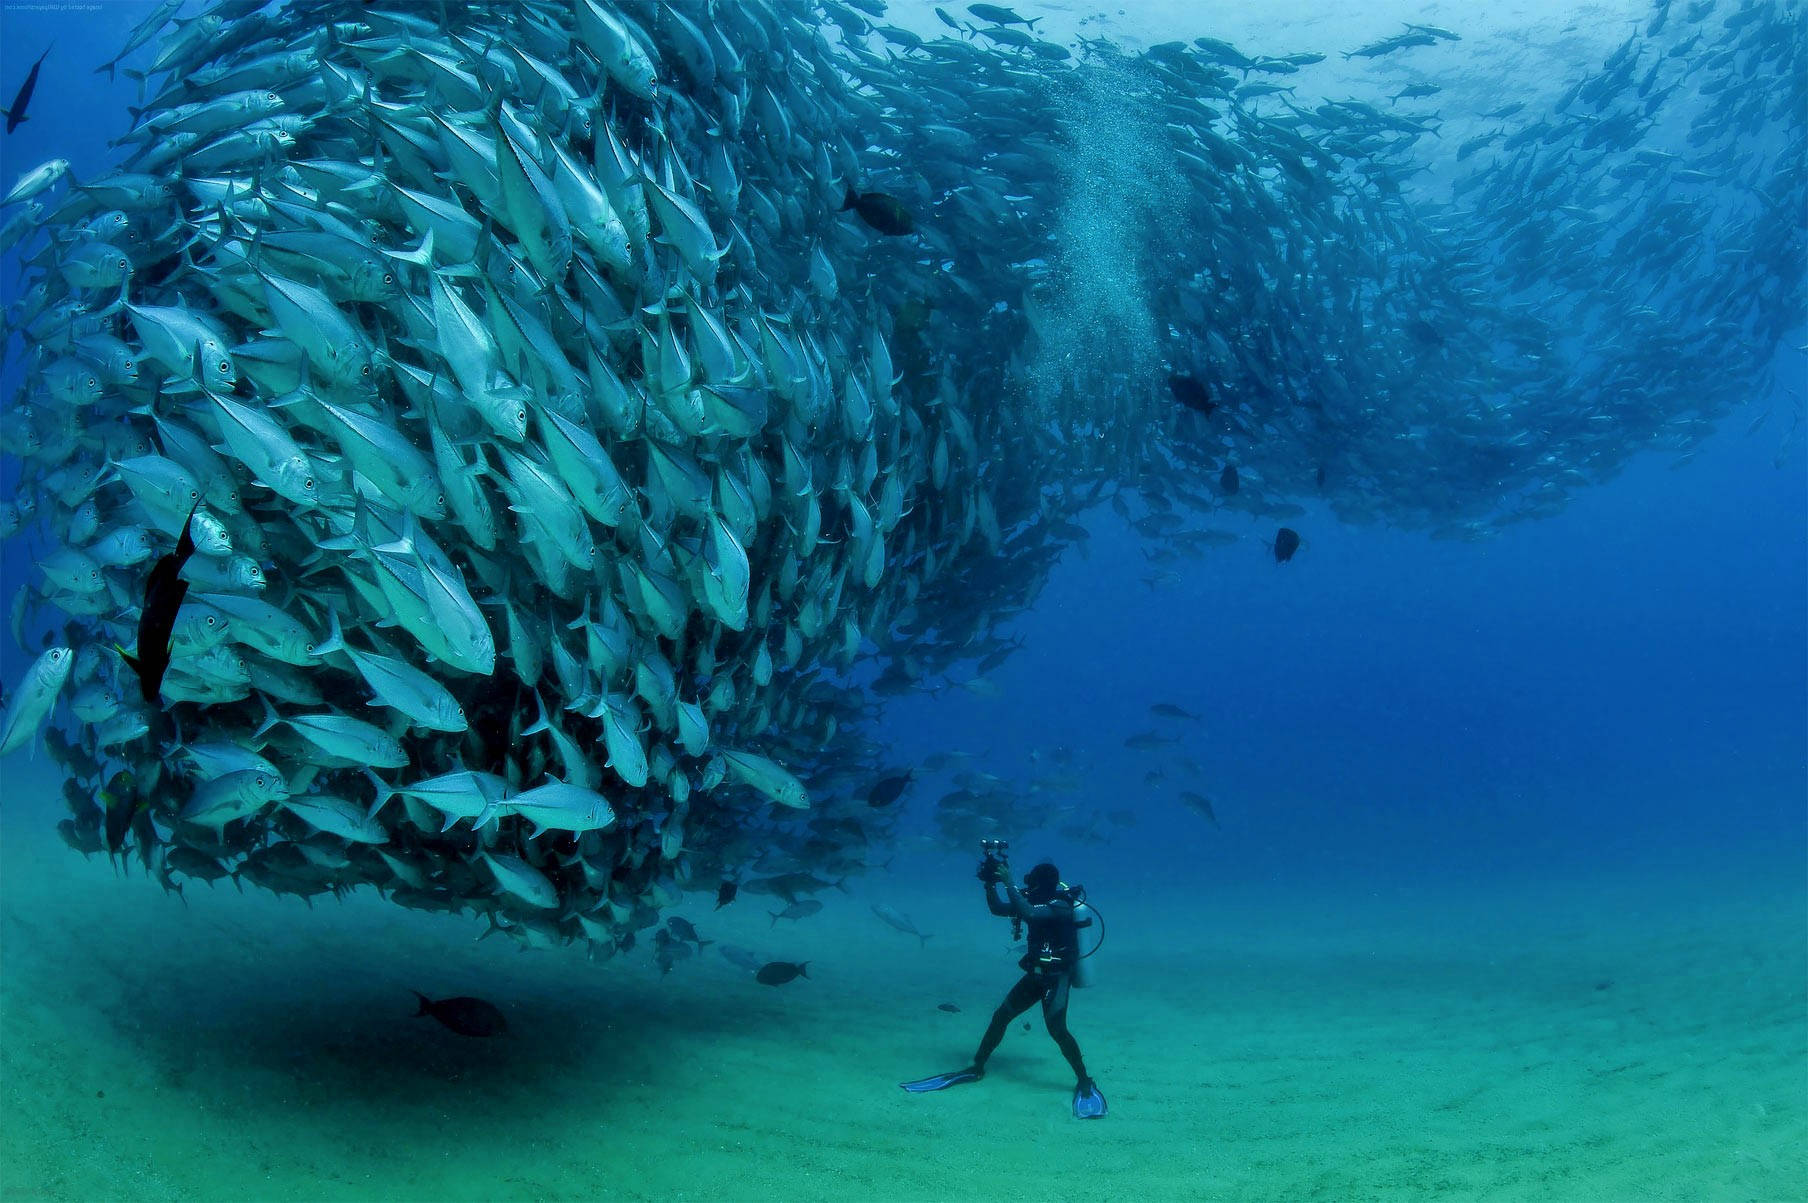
384,793
775,916
803,969
335,637
849,200
271,718
420,256
426,1004
924,939
541,723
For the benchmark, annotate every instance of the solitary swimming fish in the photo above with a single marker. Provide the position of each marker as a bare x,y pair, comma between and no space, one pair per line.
1200,805
725,893
887,791
898,920
163,594
1229,481
797,910
777,973
466,1016
883,213
1191,392
16,114
1286,542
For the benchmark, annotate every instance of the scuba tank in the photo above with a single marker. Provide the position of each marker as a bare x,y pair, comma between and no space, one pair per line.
1085,917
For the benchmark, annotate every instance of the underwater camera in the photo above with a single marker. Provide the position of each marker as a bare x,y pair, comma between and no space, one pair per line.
997,852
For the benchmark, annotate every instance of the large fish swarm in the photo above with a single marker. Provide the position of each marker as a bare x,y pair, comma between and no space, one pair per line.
574,444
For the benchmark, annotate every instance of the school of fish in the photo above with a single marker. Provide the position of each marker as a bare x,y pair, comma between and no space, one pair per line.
528,436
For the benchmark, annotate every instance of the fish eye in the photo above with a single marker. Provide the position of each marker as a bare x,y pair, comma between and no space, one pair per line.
310,649
308,483
224,367
212,621
521,416
365,369
260,781
93,383
389,277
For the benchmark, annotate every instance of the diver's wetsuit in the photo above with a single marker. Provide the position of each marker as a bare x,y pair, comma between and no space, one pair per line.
1051,929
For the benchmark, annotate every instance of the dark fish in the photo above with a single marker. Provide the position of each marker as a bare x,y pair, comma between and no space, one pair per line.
740,956
1424,333
684,930
887,791
883,213
122,808
85,840
1200,805
1286,542
466,1016
163,594
16,114
726,892
777,973
999,15
1170,710
950,1008
1191,392
1229,481
797,910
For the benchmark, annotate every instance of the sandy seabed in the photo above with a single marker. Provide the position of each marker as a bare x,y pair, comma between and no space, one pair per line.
1643,1037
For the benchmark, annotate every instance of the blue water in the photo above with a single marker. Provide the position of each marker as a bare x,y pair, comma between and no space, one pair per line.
1619,689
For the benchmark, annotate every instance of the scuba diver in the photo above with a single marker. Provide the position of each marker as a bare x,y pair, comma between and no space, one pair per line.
1054,913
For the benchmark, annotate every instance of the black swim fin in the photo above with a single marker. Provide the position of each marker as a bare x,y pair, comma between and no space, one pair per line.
1089,1103
944,1081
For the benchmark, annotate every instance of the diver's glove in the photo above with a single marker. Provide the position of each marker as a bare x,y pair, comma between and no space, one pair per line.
993,871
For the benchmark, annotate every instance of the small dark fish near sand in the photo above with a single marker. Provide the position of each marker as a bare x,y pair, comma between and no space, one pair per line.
16,114
883,213
1170,710
949,1007
1286,542
777,973
466,1016
725,893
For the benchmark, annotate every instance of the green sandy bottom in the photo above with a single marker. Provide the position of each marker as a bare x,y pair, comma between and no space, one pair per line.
1641,1038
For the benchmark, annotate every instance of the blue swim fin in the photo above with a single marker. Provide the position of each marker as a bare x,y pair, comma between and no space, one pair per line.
1089,1103
944,1081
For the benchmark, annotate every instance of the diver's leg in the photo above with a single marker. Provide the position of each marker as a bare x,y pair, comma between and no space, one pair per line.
1021,998
1054,1015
